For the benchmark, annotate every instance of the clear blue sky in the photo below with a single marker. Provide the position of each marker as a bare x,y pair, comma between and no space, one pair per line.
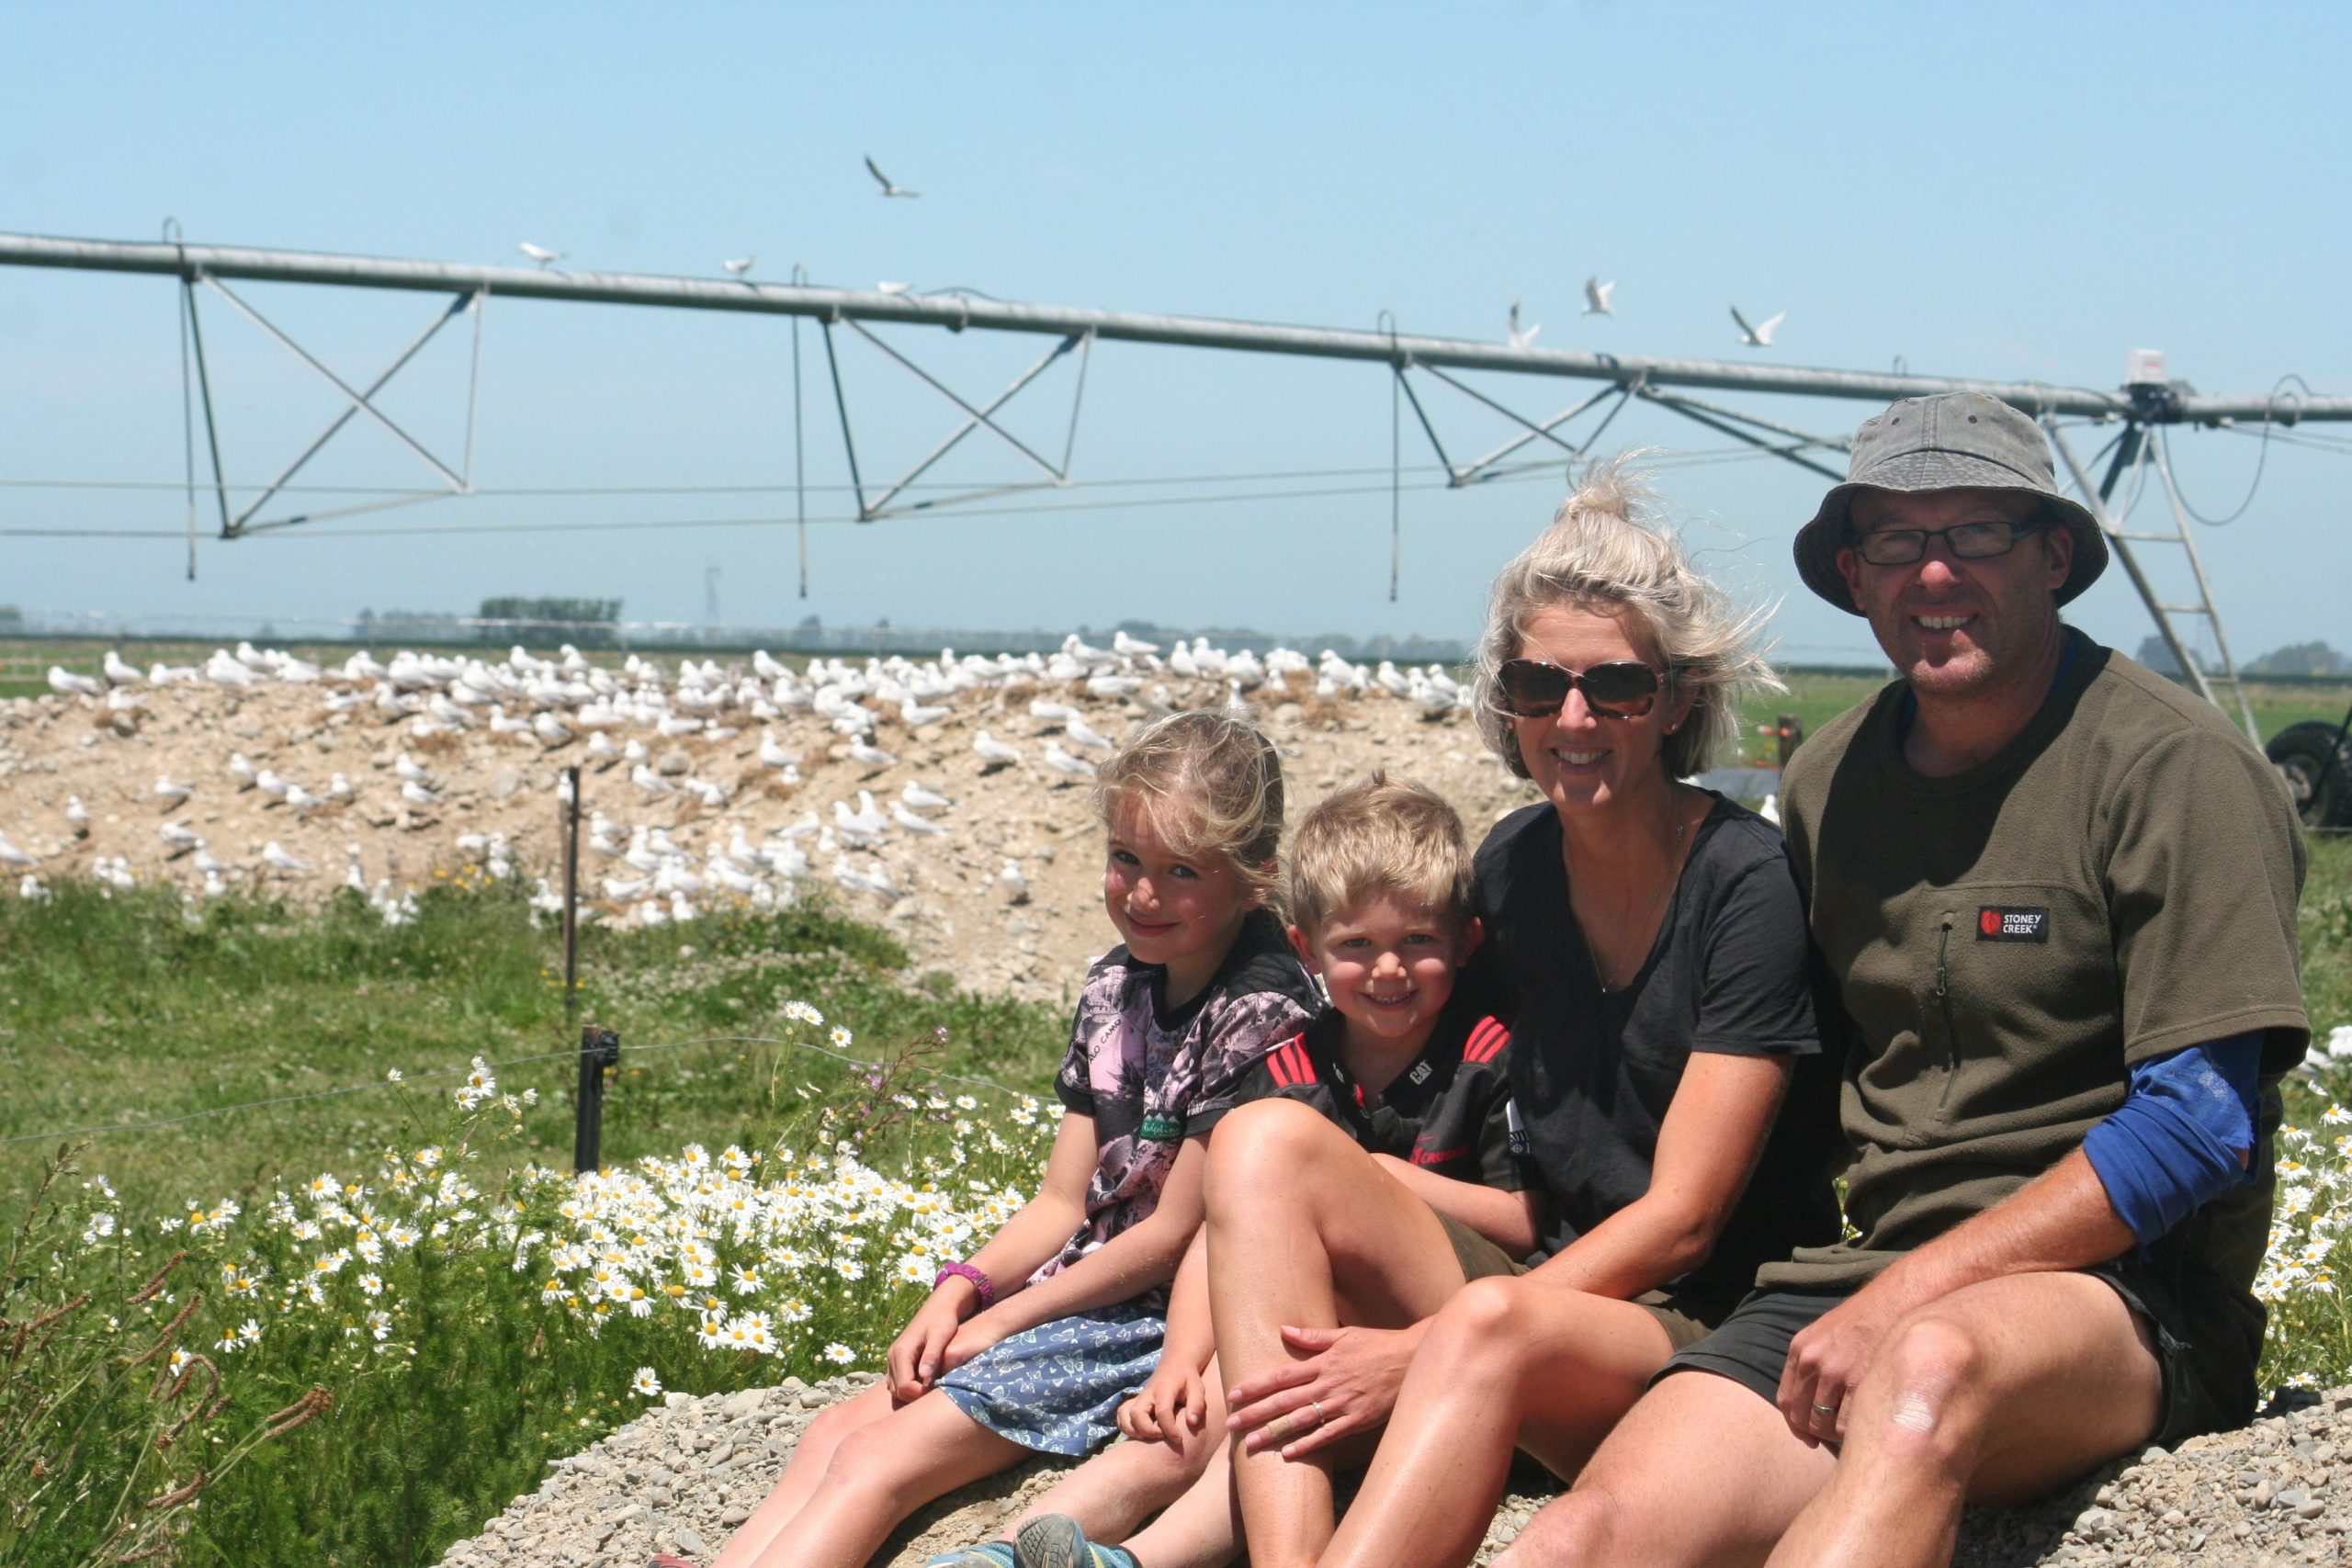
2001,190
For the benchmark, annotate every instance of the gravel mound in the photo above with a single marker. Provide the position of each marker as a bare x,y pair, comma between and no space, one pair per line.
682,1477
954,913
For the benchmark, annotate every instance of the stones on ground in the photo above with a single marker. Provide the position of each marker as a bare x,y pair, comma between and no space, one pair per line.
712,1459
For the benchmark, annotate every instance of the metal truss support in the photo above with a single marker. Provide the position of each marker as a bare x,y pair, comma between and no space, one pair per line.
981,416
2134,450
1489,465
1742,428
458,481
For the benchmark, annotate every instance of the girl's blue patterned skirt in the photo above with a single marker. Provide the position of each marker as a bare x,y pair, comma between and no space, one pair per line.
1057,1388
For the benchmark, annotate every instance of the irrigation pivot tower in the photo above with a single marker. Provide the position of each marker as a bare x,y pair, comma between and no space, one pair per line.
2135,411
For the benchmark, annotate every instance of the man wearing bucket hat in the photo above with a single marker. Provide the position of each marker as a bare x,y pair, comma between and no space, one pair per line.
2059,897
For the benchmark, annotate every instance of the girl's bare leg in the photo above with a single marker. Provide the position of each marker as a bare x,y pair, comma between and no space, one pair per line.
1115,1491
1306,1231
877,1473
1507,1363
803,1473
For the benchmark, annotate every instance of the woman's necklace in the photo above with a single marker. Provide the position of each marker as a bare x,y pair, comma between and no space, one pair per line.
1649,913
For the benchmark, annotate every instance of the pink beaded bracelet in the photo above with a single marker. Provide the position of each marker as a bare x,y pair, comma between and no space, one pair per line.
980,1281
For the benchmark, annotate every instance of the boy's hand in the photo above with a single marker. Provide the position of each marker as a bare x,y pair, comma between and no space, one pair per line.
1173,1405
919,1354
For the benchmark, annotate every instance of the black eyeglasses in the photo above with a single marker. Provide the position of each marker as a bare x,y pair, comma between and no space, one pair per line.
1967,541
1529,688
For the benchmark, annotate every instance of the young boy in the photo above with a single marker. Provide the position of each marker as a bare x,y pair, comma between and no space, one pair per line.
1378,894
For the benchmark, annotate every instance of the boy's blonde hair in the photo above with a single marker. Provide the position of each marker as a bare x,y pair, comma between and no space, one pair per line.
1209,784
1383,836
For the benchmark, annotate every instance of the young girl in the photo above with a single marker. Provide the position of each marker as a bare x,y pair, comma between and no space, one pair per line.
1033,1343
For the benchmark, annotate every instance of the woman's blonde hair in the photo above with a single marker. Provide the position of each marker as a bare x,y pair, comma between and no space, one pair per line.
1381,836
1605,552
1209,784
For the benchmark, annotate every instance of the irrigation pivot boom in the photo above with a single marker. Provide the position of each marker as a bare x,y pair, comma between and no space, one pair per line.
1668,383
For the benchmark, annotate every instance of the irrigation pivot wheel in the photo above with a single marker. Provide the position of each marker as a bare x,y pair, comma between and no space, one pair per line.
2316,758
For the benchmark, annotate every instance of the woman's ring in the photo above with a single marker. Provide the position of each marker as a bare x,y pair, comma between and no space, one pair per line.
1319,1416
1821,1409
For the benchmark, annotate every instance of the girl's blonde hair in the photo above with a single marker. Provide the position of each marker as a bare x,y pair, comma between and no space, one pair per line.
1209,784
1604,552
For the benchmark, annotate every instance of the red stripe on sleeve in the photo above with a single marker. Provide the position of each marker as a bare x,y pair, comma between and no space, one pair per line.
1486,1041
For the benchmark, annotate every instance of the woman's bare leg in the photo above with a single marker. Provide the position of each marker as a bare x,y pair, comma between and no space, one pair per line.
1507,1363
1306,1231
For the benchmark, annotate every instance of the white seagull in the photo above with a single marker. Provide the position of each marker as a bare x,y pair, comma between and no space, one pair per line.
77,815
1756,336
11,855
1596,296
540,254
740,265
922,799
884,180
65,683
276,857
993,753
1016,885
1520,338
1062,762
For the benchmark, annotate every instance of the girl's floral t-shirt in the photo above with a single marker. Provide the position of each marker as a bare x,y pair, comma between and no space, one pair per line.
1149,1076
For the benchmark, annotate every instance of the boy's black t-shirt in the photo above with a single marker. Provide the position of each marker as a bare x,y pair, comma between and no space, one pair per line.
1593,1072
1448,1112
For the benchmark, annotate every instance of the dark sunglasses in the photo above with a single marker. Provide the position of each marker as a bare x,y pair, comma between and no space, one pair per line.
1967,541
1529,688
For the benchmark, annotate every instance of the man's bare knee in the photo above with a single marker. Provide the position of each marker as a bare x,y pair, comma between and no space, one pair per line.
1926,1390
1578,1531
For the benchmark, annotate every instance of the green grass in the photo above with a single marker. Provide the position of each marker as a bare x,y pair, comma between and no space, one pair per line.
1815,698
124,1010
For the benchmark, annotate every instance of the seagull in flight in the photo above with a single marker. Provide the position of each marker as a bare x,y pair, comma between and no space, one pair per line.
884,180
1757,336
740,265
1520,339
1596,296
540,254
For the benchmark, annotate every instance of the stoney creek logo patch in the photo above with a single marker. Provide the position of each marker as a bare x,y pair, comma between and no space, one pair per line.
1161,1129
1996,923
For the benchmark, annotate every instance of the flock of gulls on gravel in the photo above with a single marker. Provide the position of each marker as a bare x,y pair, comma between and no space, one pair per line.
628,721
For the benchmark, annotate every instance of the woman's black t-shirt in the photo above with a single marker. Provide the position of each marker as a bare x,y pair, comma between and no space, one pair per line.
1732,971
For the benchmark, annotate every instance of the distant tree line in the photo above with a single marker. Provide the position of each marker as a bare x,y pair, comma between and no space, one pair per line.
2296,659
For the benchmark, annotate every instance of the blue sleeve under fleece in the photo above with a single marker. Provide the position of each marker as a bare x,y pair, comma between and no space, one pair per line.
2174,1143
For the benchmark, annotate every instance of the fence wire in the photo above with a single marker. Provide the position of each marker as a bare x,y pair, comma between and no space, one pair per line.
569,1053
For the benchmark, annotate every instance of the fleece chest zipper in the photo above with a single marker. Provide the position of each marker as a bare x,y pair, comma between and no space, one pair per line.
1943,1006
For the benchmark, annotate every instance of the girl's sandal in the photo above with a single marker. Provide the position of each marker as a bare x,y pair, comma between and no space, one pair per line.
663,1560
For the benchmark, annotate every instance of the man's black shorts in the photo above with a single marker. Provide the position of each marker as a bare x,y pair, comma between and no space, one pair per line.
2207,1353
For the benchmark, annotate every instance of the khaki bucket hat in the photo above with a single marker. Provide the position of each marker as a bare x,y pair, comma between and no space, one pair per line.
1952,441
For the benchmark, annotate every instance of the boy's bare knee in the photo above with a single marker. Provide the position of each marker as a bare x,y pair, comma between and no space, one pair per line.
1267,1145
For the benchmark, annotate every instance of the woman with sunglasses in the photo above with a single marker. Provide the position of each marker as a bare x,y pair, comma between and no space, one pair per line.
1668,1072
